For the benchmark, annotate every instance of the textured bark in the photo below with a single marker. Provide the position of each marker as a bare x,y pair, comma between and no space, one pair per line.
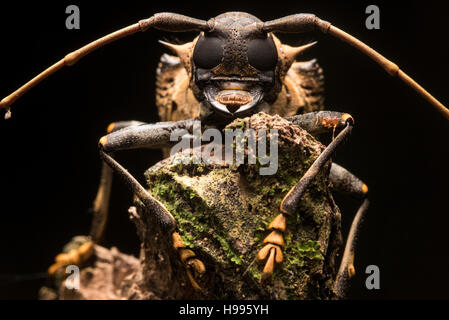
222,214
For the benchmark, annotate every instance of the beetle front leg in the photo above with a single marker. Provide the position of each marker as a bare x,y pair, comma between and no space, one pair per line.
80,248
150,136
291,201
320,122
193,265
101,203
272,251
274,243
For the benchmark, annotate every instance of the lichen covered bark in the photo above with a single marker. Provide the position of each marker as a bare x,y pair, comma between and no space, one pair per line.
222,213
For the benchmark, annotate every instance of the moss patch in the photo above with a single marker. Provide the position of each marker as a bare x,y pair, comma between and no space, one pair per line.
223,213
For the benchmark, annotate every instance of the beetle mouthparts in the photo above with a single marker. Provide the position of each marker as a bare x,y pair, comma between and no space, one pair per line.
234,99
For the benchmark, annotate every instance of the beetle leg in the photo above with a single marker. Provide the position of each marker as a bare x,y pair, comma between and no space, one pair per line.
194,266
290,202
271,253
163,216
76,252
80,248
274,241
152,136
320,122
345,182
101,203
347,270
144,136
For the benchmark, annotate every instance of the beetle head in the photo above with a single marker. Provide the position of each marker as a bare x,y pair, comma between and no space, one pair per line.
235,68
234,65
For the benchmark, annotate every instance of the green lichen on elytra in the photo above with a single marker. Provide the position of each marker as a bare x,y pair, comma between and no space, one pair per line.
306,250
166,191
191,213
232,207
232,256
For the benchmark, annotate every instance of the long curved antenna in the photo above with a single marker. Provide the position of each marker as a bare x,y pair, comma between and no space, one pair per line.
300,23
166,21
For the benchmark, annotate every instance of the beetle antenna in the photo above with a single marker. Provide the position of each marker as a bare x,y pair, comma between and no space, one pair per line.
166,21
300,23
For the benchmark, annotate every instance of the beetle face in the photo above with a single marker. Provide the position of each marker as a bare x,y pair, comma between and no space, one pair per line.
235,65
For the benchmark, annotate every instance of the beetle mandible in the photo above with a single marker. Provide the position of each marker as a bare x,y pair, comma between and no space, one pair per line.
236,67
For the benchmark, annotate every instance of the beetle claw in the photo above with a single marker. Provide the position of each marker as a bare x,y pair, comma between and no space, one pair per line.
273,256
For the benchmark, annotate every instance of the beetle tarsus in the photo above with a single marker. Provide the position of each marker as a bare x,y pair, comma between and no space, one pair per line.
271,253
194,266
77,252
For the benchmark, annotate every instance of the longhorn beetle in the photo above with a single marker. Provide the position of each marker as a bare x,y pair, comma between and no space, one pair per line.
234,68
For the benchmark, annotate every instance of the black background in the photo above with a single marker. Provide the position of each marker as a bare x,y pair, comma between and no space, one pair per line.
49,163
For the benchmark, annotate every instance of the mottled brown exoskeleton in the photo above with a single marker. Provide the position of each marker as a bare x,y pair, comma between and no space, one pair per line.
234,68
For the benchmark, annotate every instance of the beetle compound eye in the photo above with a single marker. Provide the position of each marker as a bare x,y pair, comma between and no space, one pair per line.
208,52
262,54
